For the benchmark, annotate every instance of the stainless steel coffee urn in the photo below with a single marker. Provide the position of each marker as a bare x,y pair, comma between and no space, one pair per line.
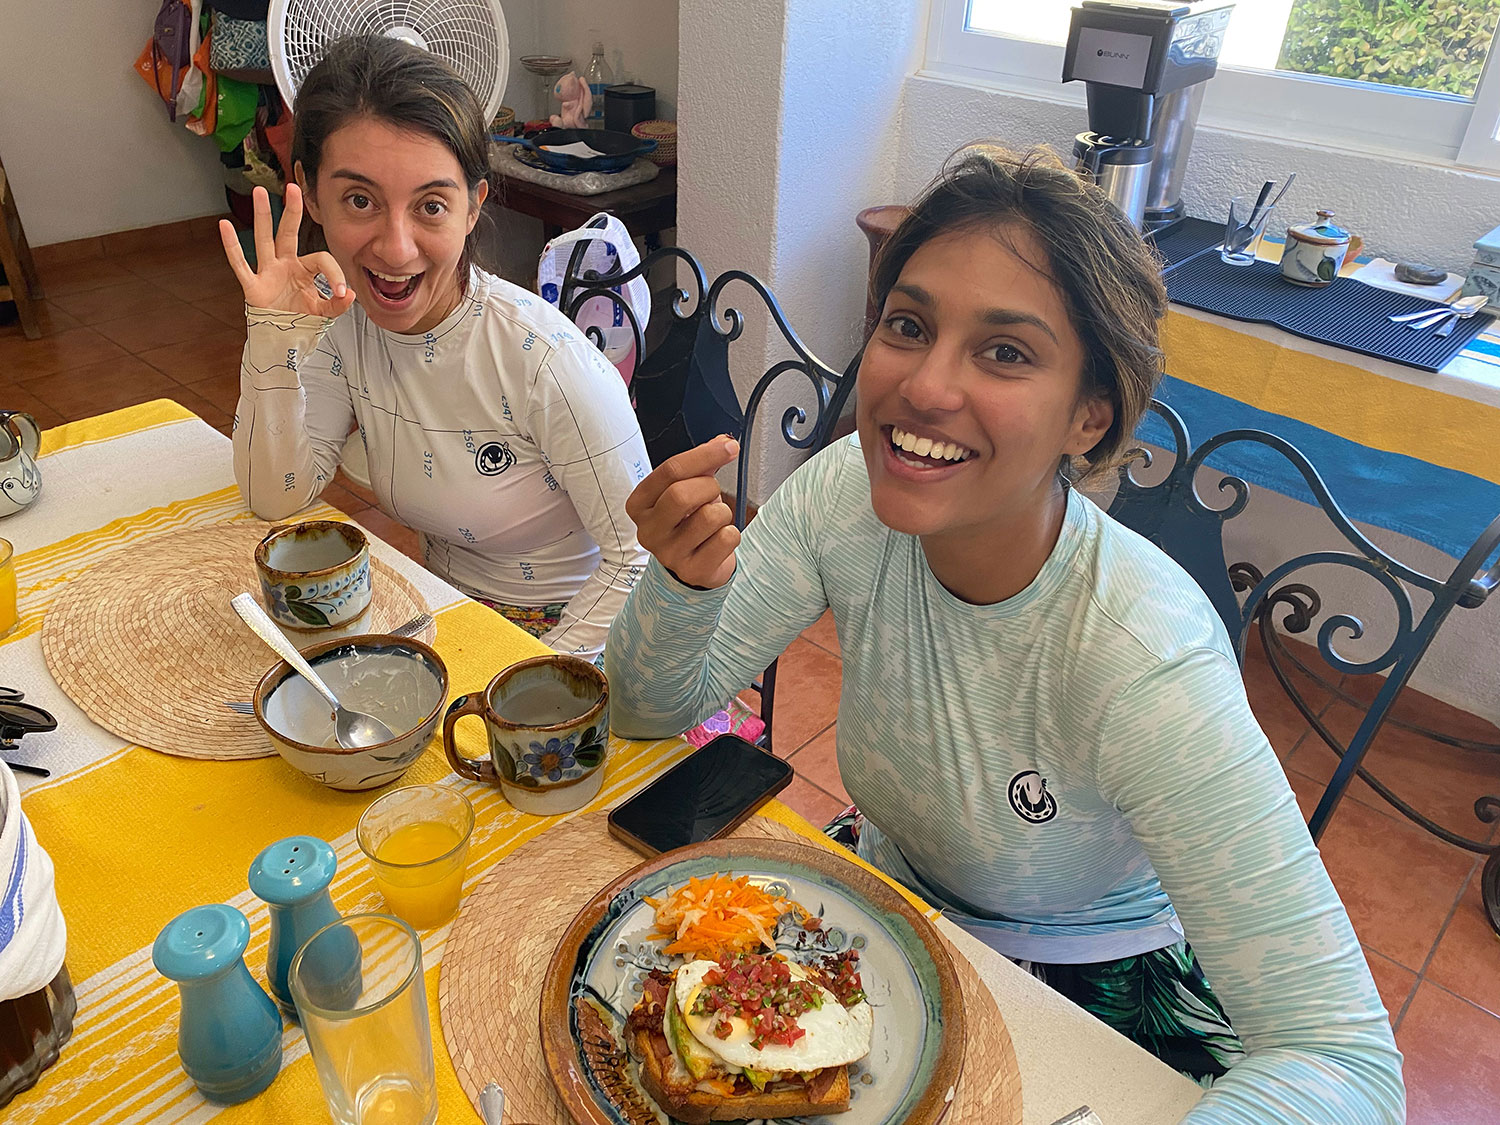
1144,64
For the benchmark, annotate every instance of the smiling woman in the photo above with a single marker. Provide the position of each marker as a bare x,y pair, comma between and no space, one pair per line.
490,424
1041,719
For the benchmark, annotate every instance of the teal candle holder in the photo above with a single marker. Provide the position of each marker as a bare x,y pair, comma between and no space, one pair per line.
292,877
229,1037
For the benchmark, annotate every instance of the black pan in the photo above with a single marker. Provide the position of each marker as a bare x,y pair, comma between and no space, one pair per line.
619,149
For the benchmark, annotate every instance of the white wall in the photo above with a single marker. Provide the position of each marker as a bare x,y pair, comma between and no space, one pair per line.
1402,209
640,42
786,131
86,142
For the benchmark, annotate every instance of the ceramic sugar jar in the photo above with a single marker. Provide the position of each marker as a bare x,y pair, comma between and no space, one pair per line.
20,479
1315,252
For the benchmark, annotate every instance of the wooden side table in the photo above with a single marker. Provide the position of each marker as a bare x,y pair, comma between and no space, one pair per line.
645,209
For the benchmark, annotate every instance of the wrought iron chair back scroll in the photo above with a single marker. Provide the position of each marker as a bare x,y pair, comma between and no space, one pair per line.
1174,516
830,388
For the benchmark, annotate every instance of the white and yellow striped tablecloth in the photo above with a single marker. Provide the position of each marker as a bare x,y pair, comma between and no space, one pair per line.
138,837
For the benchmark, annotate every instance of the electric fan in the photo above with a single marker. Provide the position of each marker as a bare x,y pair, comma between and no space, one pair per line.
469,35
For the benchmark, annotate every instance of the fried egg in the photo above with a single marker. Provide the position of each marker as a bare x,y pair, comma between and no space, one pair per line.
835,1034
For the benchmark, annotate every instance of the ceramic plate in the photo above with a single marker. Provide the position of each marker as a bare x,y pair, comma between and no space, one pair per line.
912,1069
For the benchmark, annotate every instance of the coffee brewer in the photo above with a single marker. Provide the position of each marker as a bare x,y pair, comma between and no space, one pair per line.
1144,64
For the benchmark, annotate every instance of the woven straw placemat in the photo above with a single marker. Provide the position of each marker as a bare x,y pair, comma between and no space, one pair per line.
147,645
504,937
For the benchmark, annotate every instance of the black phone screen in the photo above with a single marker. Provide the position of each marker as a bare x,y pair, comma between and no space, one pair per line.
703,795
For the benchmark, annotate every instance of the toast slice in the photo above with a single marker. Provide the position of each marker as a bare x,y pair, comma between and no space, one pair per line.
828,1092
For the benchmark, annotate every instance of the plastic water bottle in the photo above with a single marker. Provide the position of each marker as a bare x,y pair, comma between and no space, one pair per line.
598,76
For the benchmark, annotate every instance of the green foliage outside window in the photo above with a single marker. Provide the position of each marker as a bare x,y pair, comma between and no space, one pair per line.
1437,45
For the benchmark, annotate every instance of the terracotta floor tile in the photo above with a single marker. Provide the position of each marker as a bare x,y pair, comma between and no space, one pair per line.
359,490
22,359
751,699
807,696
227,308
51,319
1277,714
380,525
342,499
806,799
210,354
223,390
80,276
155,328
1395,982
212,280
823,633
1397,882
1467,960
1439,781
65,253
101,387
205,227
19,398
818,761
127,243
165,260
1413,706
200,406
111,302
1450,1048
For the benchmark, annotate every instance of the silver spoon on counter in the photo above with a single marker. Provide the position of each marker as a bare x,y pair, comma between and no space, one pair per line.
354,729
1465,305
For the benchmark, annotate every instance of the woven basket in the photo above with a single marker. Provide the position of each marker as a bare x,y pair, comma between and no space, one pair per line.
504,124
664,133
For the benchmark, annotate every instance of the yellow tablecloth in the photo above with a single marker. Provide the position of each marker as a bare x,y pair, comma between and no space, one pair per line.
138,837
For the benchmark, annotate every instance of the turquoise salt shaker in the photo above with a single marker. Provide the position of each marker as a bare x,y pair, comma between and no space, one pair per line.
292,877
229,1039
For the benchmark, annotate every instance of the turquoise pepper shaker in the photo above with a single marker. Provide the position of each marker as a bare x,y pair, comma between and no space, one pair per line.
292,877
229,1039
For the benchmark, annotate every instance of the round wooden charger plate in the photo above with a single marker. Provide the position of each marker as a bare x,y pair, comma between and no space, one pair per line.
147,645
509,926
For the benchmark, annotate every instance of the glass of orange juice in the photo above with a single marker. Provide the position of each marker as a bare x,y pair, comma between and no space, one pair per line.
10,615
417,840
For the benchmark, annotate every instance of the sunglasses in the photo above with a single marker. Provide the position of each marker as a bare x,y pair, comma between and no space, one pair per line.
18,719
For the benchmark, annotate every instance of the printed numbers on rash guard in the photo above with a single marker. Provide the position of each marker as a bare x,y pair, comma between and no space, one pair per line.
290,482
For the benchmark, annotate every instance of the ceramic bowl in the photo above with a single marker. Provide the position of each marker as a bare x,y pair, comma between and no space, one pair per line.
314,575
401,682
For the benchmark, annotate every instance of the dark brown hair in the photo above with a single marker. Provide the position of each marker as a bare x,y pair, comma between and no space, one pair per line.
406,86
1109,278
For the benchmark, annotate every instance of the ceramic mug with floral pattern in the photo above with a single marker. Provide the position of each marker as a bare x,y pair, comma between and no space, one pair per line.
314,575
547,721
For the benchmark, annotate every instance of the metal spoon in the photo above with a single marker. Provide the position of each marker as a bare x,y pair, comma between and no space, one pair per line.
1458,314
1475,303
354,729
492,1104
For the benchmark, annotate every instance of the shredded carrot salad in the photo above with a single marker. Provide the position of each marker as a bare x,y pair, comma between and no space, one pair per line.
718,915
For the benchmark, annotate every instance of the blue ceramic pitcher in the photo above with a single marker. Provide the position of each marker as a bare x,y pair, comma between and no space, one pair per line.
229,1038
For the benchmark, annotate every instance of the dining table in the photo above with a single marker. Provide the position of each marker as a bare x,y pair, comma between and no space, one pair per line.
138,836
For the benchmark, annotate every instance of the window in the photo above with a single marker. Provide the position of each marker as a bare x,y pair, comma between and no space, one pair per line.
1409,78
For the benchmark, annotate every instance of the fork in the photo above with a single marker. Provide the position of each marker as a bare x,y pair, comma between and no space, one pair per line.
405,629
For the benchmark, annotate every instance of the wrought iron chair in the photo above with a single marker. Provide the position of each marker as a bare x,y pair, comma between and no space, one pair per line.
723,324
1174,516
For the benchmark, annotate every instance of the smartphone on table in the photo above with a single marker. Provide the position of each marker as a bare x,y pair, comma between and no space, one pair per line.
706,795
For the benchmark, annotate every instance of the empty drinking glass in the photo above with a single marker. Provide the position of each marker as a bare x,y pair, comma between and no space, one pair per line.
1242,233
362,1000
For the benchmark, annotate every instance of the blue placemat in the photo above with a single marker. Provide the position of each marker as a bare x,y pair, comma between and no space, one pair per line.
1347,314
1185,238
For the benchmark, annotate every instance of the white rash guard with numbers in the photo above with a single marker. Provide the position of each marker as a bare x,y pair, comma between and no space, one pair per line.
502,436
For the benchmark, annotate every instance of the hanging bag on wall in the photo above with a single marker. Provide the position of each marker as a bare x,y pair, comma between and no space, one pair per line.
239,46
165,60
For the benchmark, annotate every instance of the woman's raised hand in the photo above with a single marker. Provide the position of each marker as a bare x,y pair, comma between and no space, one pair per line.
681,519
282,279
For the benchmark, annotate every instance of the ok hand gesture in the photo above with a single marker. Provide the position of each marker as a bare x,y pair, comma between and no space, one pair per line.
680,518
282,279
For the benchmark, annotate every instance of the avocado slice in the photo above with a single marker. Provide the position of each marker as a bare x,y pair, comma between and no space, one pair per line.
758,1078
693,1054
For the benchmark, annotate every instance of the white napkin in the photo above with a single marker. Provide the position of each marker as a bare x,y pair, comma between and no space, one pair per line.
1382,274
33,936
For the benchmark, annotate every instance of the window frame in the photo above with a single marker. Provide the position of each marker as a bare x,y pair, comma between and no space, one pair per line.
1329,112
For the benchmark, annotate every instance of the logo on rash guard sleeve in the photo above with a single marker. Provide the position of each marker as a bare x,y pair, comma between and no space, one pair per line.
1029,797
493,458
